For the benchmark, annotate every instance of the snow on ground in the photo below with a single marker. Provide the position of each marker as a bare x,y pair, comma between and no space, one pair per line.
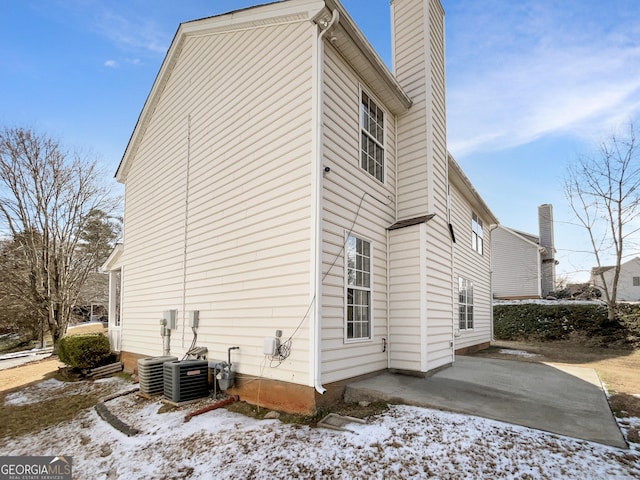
518,353
404,442
542,301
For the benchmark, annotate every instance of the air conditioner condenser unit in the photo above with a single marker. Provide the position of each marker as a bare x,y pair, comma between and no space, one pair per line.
186,380
151,374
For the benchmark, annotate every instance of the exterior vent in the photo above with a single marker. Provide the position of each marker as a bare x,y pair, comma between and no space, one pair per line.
151,374
186,380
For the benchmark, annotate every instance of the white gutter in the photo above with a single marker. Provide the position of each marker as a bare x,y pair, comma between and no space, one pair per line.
318,187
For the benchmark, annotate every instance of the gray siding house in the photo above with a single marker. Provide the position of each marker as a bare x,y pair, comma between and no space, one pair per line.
628,281
523,264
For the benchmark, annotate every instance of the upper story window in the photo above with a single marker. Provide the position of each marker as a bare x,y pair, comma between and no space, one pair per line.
372,137
636,281
358,253
476,234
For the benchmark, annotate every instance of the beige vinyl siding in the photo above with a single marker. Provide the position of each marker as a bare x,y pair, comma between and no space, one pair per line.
422,159
343,189
419,66
471,265
407,310
226,155
439,293
413,143
439,307
516,265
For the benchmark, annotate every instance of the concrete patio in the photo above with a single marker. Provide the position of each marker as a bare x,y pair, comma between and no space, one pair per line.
555,398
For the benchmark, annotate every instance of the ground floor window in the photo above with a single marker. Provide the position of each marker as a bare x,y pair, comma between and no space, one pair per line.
358,282
465,303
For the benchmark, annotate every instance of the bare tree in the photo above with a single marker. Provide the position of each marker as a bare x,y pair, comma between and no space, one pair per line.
604,194
16,312
48,200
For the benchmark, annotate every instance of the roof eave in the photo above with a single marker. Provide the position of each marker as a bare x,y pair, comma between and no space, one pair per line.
367,63
457,176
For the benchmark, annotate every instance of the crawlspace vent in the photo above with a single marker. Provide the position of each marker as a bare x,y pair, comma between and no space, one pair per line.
186,380
151,374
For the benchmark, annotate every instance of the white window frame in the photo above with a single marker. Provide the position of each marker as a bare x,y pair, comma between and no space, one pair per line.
635,281
359,288
364,132
477,234
465,304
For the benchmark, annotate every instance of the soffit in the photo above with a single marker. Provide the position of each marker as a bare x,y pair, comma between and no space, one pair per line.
347,38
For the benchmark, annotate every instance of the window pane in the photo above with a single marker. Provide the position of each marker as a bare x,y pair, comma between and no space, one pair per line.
372,137
358,298
365,330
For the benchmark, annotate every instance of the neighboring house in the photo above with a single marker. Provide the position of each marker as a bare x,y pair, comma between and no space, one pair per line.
628,281
524,265
92,301
280,177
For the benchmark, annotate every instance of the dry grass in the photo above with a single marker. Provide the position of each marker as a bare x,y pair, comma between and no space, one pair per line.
37,413
24,419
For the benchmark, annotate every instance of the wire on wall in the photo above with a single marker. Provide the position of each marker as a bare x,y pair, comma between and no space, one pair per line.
284,350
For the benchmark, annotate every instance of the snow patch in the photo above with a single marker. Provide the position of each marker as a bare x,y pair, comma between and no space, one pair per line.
541,301
404,442
518,353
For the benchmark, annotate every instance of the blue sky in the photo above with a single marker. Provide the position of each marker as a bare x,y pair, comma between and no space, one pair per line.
531,85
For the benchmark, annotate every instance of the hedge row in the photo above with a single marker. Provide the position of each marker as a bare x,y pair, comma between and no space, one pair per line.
543,322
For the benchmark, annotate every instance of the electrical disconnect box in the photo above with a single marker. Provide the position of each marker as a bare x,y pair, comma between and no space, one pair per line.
194,318
169,318
272,344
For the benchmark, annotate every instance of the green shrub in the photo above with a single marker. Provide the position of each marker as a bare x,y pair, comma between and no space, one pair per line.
85,351
544,322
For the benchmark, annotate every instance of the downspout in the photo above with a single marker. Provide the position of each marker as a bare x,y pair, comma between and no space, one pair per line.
318,185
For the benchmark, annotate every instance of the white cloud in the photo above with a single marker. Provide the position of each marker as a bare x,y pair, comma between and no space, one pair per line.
111,64
539,77
133,33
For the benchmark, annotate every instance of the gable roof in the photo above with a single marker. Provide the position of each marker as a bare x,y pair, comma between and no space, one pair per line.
345,36
114,256
525,237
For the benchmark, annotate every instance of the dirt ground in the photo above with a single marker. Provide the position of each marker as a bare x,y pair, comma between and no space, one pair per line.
31,372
